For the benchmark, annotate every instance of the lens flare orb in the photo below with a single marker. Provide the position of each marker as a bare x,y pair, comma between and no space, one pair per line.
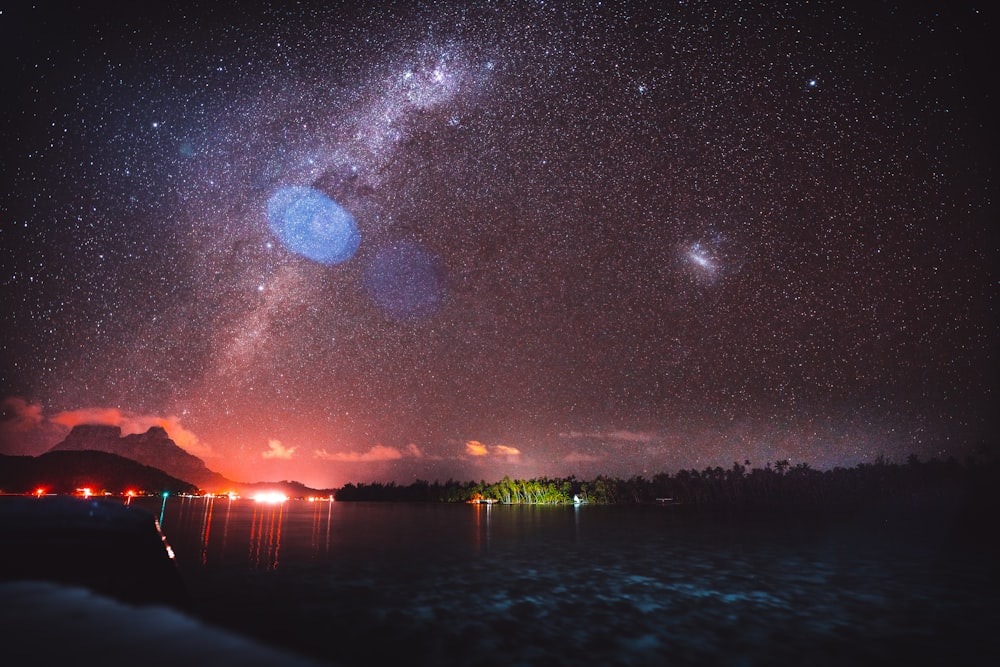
311,224
406,281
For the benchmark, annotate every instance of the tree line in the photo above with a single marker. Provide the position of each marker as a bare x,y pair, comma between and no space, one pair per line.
780,483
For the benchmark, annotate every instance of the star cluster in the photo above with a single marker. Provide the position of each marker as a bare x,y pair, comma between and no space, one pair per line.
591,237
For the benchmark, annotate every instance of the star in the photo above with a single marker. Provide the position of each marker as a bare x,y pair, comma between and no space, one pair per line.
451,222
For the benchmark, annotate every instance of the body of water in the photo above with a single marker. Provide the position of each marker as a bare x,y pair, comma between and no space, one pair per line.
416,584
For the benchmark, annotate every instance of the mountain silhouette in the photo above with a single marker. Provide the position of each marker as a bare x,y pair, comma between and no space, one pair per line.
155,448
67,472
152,448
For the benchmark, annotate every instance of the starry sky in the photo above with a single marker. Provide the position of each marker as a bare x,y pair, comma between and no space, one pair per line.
365,241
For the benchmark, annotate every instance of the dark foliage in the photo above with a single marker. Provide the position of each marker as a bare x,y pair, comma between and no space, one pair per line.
778,484
66,471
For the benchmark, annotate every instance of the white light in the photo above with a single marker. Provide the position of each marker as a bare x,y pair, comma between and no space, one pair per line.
271,497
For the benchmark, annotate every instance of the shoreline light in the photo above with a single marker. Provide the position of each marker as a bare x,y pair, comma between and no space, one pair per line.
271,497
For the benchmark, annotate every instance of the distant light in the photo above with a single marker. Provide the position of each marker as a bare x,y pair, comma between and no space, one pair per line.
270,497
39,492
166,493
86,492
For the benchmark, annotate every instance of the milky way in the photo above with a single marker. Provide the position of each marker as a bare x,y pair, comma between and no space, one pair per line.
342,244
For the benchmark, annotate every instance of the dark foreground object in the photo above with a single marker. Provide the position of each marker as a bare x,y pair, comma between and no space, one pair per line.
105,546
51,624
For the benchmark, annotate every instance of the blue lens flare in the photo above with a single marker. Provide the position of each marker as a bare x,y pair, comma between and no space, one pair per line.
311,224
406,281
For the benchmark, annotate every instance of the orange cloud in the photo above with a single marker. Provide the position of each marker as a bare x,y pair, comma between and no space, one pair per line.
376,453
276,450
107,416
131,422
476,448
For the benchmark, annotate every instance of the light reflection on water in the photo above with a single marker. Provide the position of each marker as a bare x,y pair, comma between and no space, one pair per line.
265,534
363,583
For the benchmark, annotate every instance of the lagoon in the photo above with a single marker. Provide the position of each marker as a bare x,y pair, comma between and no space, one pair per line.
440,584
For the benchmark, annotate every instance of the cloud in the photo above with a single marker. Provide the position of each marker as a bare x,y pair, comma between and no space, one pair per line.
614,436
24,430
132,422
580,457
376,453
633,436
478,449
19,415
276,450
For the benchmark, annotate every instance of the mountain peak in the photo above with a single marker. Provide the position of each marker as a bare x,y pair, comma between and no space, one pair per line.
153,448
84,436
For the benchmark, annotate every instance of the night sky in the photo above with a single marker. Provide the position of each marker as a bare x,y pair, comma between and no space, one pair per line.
341,242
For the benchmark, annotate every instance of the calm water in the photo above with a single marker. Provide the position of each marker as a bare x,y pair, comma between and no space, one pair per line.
360,584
